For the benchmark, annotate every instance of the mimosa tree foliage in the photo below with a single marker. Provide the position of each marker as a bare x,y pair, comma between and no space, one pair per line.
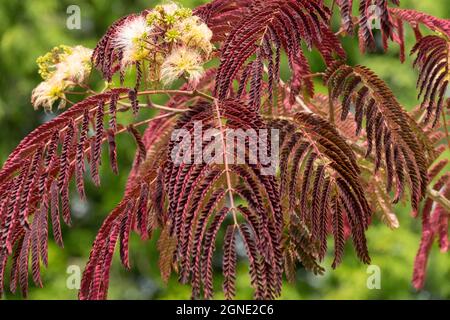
345,158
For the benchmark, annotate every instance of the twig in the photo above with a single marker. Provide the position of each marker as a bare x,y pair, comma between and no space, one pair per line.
436,196
313,75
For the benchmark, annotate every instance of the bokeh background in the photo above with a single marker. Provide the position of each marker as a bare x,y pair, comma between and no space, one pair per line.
29,28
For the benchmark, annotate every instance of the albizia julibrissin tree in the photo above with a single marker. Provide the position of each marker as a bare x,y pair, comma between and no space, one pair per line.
345,158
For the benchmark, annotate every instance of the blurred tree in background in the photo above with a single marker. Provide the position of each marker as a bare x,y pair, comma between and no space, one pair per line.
30,28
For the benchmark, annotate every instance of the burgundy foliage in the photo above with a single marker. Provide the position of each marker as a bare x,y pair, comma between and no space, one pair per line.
333,149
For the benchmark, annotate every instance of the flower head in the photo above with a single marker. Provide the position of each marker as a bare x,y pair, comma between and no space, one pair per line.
168,9
48,92
130,39
168,14
48,62
153,17
172,35
182,61
194,33
76,66
66,63
63,67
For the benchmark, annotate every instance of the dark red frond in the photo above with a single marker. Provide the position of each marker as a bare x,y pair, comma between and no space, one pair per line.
393,132
277,24
433,64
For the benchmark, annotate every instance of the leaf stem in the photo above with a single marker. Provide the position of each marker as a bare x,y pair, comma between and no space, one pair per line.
191,93
227,168
330,108
127,106
447,135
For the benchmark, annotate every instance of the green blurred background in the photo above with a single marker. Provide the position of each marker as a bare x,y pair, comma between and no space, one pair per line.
29,28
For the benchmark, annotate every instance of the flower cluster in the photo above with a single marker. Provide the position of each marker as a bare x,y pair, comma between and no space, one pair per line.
173,41
61,69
